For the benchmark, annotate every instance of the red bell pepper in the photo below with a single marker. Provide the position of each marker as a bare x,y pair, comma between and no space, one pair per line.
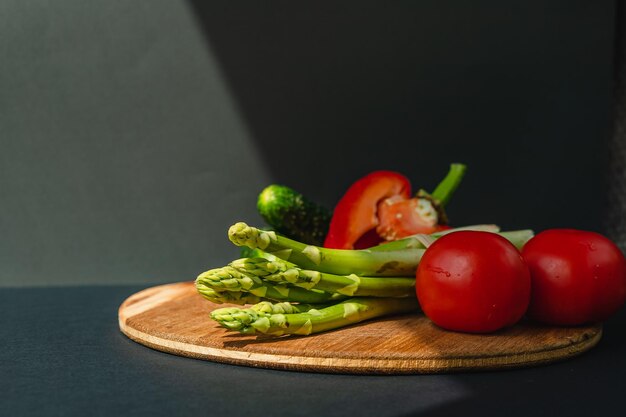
356,213
378,207
400,218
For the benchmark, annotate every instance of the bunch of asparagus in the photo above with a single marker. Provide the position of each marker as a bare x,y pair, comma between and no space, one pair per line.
301,289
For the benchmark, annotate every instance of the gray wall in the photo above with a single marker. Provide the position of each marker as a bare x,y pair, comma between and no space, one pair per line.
132,134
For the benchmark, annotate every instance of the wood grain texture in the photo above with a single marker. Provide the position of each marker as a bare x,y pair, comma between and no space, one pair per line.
173,318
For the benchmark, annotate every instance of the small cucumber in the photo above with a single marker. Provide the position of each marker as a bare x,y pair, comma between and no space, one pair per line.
293,215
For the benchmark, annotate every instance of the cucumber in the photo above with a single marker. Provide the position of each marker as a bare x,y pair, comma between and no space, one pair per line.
293,215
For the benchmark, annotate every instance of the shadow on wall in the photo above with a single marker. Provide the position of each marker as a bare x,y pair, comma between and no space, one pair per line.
332,91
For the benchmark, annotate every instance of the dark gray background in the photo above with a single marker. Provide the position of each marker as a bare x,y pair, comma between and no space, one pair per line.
67,357
132,134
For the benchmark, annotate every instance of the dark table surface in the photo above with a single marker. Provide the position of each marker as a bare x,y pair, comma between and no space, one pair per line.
62,354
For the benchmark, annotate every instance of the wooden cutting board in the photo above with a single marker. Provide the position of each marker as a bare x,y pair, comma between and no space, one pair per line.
173,318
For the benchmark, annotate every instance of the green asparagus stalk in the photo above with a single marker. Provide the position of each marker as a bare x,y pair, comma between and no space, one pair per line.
353,310
283,272
334,261
517,237
399,258
230,280
418,241
285,307
228,297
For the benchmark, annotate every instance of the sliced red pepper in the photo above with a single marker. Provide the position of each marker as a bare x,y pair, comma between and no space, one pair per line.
400,218
356,213
377,207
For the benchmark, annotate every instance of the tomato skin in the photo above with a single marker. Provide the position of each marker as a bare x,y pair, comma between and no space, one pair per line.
474,282
577,277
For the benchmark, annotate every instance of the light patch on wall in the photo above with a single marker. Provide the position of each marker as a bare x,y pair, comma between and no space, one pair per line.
124,157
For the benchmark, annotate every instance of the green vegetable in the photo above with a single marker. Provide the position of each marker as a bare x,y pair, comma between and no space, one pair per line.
293,215
285,307
228,297
283,272
255,320
298,287
399,258
517,237
229,282
447,187
334,261
246,252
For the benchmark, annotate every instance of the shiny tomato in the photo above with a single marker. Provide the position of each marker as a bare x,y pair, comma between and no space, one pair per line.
473,282
577,276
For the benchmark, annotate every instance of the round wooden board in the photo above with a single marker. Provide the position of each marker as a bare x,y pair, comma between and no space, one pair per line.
173,318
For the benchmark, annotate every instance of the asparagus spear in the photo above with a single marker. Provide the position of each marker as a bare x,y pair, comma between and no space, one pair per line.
353,310
334,261
517,237
285,307
284,272
399,258
229,297
419,241
230,280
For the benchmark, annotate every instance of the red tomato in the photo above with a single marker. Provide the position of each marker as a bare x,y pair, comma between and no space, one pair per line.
577,277
473,282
